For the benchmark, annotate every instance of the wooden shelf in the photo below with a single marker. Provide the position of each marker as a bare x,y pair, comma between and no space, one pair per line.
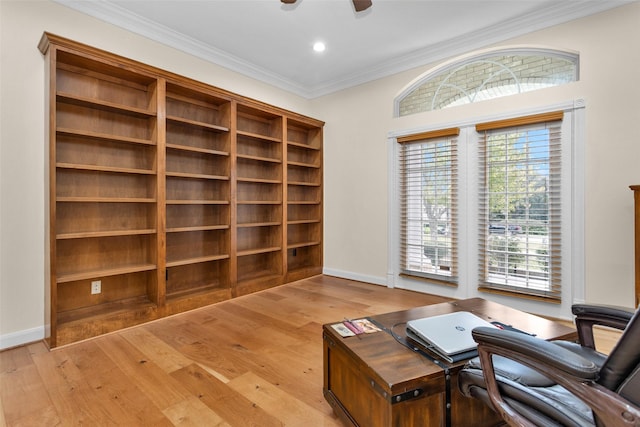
259,202
106,199
113,233
301,145
185,137
194,285
197,176
198,123
101,318
206,289
197,228
98,312
304,184
104,168
258,251
303,165
103,136
72,277
303,221
263,276
197,149
258,136
197,202
302,244
196,260
303,202
260,180
104,105
259,158
258,224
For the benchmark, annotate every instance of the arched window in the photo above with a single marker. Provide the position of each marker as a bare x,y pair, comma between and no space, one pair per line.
486,76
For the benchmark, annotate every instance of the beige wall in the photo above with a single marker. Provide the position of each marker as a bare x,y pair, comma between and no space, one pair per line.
358,121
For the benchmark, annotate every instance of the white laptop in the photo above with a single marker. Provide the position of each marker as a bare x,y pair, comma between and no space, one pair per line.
447,334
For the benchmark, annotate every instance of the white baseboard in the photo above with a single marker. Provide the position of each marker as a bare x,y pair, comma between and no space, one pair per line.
382,281
26,336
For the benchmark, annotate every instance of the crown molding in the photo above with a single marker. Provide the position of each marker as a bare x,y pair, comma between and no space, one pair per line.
558,13
555,13
121,17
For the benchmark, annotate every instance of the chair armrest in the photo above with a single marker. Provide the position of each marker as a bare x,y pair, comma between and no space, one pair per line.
588,315
552,355
572,371
607,315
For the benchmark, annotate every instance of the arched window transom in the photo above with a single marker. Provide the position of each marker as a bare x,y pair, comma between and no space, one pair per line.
487,76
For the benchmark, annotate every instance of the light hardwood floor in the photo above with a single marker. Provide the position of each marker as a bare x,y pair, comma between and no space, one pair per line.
251,361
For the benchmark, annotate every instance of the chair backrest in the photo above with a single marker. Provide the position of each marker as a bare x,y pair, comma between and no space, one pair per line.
621,371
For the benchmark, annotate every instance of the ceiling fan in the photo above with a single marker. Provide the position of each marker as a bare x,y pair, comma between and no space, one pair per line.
359,5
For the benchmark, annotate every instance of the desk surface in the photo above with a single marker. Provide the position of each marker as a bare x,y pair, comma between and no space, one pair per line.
392,369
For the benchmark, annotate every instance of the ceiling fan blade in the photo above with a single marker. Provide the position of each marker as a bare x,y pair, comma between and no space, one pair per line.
361,5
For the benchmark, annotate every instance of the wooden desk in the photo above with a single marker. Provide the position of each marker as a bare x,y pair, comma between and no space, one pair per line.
371,380
636,198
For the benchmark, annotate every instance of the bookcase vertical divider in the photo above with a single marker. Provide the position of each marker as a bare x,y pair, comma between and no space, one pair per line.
233,201
51,286
285,197
161,195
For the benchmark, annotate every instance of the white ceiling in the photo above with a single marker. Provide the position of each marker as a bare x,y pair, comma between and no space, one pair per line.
272,42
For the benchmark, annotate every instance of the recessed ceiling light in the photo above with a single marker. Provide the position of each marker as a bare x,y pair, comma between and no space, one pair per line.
319,47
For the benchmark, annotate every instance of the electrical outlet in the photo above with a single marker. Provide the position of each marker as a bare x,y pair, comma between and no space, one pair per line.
96,287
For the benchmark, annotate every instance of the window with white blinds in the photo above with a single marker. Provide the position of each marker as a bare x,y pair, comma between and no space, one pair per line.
519,205
428,167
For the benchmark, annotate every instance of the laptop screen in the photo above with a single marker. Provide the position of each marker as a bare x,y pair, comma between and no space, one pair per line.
450,333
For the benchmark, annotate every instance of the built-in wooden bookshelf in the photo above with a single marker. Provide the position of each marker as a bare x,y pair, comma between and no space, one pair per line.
167,194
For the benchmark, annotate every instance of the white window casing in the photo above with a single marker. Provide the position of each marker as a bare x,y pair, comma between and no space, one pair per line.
571,273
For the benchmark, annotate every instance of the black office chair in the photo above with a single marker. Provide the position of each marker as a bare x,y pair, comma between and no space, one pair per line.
533,382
